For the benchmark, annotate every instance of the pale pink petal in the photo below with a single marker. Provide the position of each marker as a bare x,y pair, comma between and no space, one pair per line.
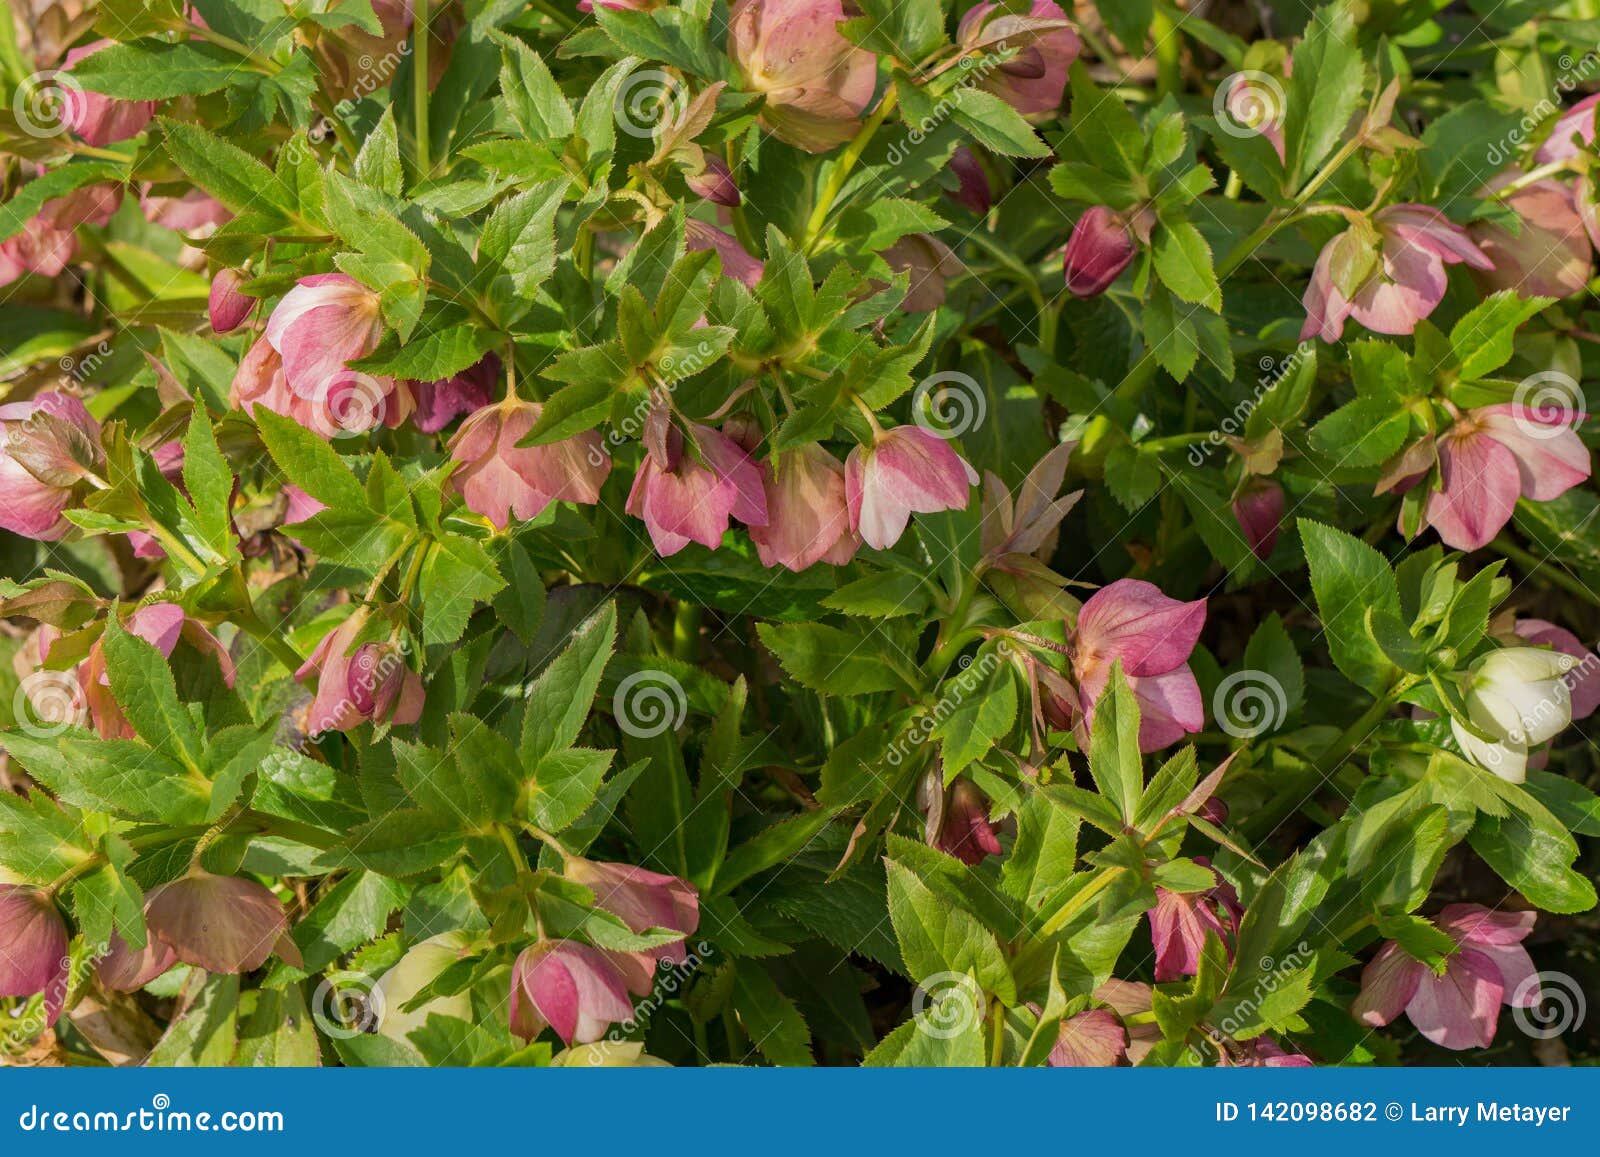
1461,1009
1480,485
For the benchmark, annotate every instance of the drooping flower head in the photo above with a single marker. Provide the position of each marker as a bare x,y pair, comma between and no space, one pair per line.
219,923
1519,697
48,445
1389,275
573,988
816,82
226,306
1492,456
1100,248
358,681
1461,1008
1549,256
33,947
1034,79
499,479
1259,508
1180,922
642,900
808,520
1132,622
957,818
685,498
907,470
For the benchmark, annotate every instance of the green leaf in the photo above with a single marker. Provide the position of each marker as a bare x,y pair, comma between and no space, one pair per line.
835,661
1114,759
1349,577
770,1018
310,462
994,124
885,595
532,96
143,686
565,783
231,175
158,70
940,941
206,1033
904,30
1534,857
209,480
559,699
457,576
1324,91
981,716
1485,339
1183,261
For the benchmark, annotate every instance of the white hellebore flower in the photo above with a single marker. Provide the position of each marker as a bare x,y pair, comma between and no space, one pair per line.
1517,695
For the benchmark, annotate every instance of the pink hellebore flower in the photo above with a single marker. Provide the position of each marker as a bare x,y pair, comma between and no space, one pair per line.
101,120
323,323
1550,257
161,625
1180,922
356,683
349,403
33,947
906,471
1391,290
1460,1009
196,211
47,241
571,987
499,479
1577,122
972,191
816,82
1254,104
1259,509
966,832
1032,81
714,182
642,900
808,520
684,499
1132,621
46,445
1093,1038
736,263
225,305
1495,454
219,923
1584,679
929,262
1100,248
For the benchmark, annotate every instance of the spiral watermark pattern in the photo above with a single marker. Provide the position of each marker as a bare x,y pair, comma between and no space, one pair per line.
648,703
352,404
648,100
1249,703
1559,1005
41,102
1547,404
48,703
949,404
947,1005
1249,103
348,1004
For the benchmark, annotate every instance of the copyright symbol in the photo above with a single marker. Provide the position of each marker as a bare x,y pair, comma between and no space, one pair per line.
1392,1110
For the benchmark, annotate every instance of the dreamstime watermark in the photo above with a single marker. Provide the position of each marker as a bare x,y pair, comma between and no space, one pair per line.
671,975
947,1005
1573,74
648,100
1249,703
348,1004
159,1117
949,404
1249,103
954,693
49,703
1273,374
648,703
41,101
1547,404
975,70
80,369
671,369
1547,1004
17,1033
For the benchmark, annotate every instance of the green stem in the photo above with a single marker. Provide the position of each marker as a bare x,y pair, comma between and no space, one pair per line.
273,640
842,168
419,86
1243,251
1551,573
997,1026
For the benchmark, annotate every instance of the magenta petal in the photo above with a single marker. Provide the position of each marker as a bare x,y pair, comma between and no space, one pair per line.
1170,707
1387,985
1551,458
1094,1038
1133,621
1480,484
1460,1009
